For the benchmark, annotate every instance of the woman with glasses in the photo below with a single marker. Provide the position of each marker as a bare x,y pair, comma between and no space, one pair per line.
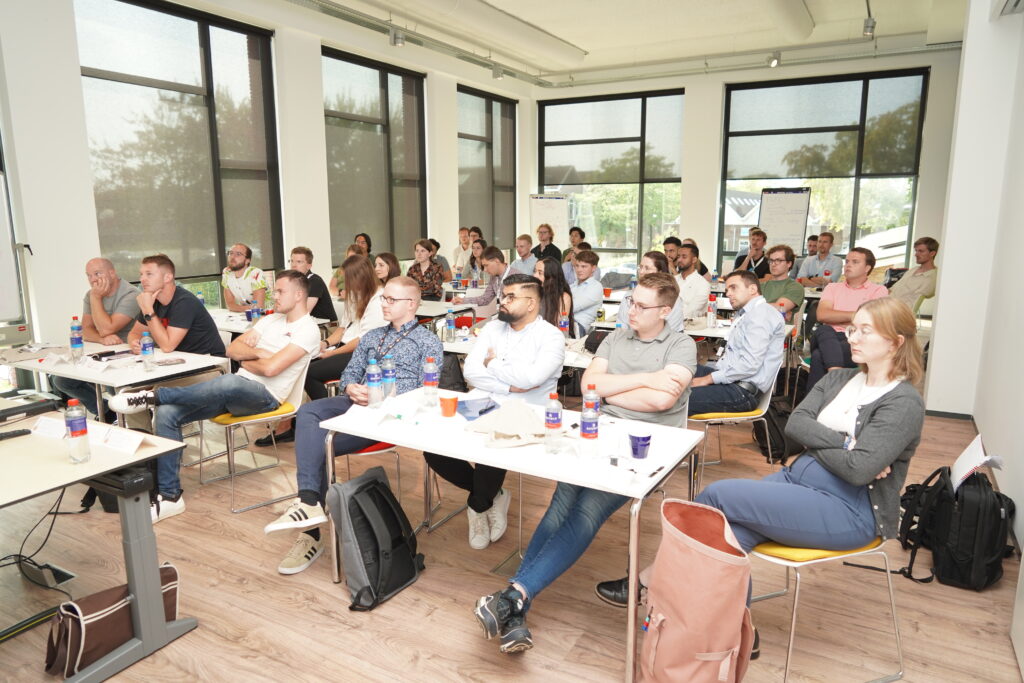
427,274
556,298
385,266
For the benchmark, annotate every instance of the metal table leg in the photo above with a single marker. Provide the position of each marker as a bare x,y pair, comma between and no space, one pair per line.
633,588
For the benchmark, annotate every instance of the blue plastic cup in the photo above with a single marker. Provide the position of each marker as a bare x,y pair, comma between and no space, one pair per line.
639,443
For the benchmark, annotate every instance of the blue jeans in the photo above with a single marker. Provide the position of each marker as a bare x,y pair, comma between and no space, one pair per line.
177,406
573,518
719,398
309,442
85,392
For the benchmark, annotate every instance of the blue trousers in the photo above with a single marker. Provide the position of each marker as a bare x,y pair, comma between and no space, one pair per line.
309,442
177,406
573,518
719,398
85,392
803,505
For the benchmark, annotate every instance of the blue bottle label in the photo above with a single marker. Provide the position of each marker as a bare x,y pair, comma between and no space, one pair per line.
389,375
588,429
76,425
430,378
552,419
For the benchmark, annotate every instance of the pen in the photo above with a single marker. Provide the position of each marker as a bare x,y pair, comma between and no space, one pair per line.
656,471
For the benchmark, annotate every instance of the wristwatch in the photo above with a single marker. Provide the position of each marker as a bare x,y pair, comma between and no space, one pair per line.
147,316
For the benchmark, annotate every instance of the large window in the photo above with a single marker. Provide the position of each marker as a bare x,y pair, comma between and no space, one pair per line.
487,165
376,165
854,140
180,119
619,159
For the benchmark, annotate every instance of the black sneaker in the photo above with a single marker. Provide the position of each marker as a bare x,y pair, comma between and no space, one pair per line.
516,637
755,649
616,592
494,611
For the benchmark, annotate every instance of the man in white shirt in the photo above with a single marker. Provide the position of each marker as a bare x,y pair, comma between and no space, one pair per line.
272,354
919,284
521,355
461,254
693,288
587,292
243,284
526,261
813,271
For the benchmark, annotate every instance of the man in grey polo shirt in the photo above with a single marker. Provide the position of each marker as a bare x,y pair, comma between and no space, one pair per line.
108,314
641,373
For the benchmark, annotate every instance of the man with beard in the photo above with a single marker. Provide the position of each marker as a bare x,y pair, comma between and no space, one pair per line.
243,284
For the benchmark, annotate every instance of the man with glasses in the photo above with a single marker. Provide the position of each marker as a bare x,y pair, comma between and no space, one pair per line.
753,353
642,372
243,284
409,343
830,348
520,355
545,244
779,289
587,292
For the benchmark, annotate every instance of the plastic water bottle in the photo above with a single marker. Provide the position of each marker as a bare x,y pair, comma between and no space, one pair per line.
589,423
714,277
591,395
712,311
632,281
387,368
77,432
148,351
201,297
618,325
77,344
553,424
374,390
563,324
449,327
430,380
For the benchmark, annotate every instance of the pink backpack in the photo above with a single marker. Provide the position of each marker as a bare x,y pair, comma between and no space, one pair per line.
698,625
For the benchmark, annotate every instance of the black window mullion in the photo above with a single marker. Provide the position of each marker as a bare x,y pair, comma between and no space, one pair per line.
489,160
211,103
859,163
273,166
593,141
386,115
643,184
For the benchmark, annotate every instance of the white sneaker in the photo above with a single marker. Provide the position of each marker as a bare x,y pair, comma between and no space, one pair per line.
479,530
164,508
131,402
297,516
497,516
303,553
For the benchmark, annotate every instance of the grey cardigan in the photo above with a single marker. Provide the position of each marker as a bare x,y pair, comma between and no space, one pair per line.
887,434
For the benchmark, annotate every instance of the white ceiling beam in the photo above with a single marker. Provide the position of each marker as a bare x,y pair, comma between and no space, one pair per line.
946,21
792,18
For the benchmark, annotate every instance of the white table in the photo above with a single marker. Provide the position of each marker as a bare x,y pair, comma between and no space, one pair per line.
428,431
439,309
42,465
617,295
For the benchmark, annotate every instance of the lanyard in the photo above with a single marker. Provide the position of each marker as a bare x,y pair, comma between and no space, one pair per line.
411,325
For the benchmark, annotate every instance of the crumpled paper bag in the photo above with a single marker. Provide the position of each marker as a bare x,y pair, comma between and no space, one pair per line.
515,423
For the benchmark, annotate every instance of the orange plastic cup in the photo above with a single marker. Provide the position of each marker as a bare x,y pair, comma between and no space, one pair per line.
464,282
448,405
607,291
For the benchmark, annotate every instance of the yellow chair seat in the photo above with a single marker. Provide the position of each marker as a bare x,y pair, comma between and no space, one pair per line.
226,419
791,554
724,416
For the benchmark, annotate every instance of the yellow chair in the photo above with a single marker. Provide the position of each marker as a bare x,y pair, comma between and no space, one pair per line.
797,558
231,422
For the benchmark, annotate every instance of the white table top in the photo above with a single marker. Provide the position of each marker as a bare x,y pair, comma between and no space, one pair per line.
123,372
617,295
236,323
428,430
572,358
438,309
42,463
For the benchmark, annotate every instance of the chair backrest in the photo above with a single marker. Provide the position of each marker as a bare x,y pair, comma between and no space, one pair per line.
297,393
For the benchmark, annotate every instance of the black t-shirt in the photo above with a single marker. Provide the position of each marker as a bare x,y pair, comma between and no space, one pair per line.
324,306
549,251
186,312
760,268
703,270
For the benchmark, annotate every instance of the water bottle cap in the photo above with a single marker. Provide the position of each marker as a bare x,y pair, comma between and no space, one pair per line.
430,359
712,297
72,402
553,396
388,355
373,361
449,310
145,333
74,317
592,386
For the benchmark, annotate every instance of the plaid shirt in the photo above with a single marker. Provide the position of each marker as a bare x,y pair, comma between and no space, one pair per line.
414,344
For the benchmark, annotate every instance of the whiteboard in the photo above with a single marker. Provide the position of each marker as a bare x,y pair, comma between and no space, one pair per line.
783,215
10,302
552,209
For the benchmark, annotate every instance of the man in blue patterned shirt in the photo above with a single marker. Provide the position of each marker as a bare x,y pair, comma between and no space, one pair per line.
410,344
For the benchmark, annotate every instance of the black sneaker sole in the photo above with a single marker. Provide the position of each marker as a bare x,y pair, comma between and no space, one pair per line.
519,640
488,619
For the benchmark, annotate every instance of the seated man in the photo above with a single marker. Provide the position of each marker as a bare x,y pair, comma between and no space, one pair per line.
410,344
493,261
569,264
779,289
462,252
587,292
753,353
273,355
830,348
108,310
243,284
823,267
519,354
919,284
642,372
754,260
694,290
526,261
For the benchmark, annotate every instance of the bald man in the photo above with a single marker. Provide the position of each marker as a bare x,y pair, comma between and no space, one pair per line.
108,313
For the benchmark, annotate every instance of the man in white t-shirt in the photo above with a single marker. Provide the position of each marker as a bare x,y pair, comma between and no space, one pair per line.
520,355
693,288
461,253
272,354
243,284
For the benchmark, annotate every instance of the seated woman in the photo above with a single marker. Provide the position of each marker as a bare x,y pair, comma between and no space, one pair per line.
361,314
555,295
440,260
385,267
337,284
474,269
657,262
426,273
363,240
860,427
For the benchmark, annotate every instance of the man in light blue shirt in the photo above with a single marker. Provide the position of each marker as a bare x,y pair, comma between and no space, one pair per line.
526,261
813,269
587,292
753,354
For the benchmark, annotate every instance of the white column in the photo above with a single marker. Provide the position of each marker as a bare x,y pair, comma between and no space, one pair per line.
702,165
442,130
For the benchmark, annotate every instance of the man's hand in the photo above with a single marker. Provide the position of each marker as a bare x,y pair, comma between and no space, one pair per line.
146,301
136,346
662,381
99,288
457,300
884,473
489,357
110,340
358,393
701,381
251,338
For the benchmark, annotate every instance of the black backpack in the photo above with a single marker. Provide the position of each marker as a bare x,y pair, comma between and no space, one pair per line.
966,531
782,448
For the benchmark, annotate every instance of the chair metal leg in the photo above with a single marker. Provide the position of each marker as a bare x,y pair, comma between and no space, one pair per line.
773,594
895,623
792,623
429,508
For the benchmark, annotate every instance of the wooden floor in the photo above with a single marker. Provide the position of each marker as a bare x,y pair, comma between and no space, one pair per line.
255,624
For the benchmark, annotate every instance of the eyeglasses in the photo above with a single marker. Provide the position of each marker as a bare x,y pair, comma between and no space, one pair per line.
236,253
633,305
509,298
777,260
859,331
390,300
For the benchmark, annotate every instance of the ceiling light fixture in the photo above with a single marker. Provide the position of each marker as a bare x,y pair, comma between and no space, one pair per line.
395,37
774,59
497,73
869,23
